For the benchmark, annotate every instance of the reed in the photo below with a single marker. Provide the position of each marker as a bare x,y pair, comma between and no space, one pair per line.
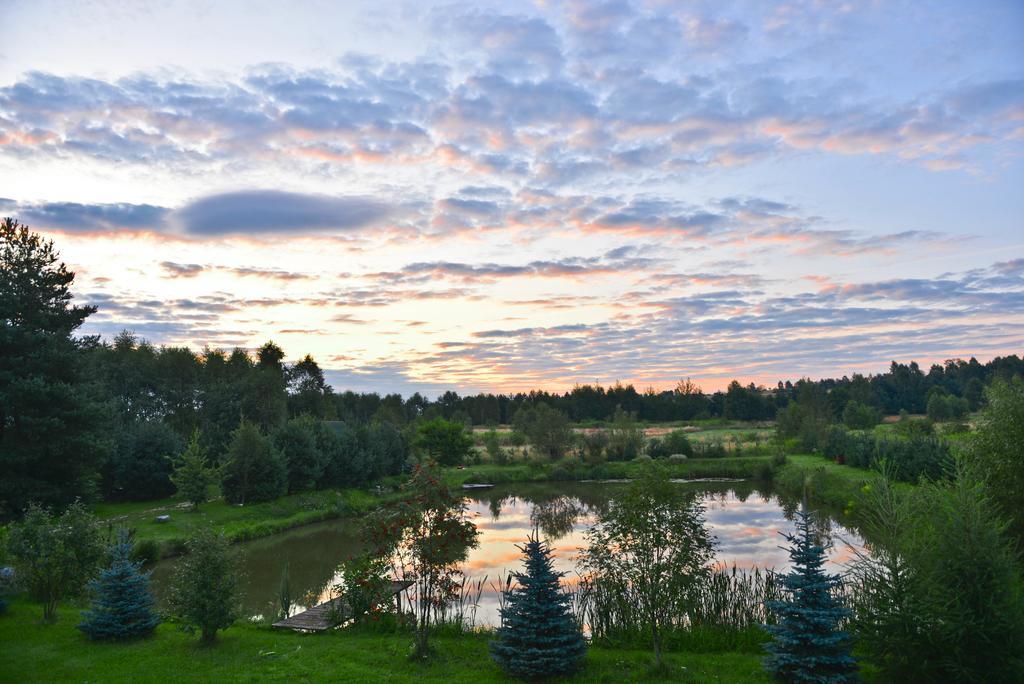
724,613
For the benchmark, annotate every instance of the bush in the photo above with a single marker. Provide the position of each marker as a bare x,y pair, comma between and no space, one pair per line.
204,593
709,449
55,556
940,597
146,551
625,437
445,442
594,444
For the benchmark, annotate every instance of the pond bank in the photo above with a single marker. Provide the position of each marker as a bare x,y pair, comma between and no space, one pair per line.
828,483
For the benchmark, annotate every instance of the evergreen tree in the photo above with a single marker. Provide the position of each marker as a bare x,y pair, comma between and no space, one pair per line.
122,606
808,644
52,430
538,637
192,474
255,470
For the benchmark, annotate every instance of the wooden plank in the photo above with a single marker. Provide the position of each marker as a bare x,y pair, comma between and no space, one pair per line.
317,618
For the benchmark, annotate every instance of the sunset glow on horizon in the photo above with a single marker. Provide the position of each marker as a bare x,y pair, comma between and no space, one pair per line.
511,197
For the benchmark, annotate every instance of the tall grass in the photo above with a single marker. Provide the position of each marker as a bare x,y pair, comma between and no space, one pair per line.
724,613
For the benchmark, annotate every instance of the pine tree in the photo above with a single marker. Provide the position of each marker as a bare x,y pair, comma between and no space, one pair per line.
122,606
538,637
53,431
192,475
808,644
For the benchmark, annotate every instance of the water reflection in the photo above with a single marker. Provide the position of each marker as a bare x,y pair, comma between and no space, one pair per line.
744,517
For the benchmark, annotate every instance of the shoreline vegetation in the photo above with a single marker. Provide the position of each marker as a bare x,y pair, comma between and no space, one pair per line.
826,482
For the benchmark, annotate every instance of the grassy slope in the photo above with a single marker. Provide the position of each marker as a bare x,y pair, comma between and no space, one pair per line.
238,522
59,653
827,482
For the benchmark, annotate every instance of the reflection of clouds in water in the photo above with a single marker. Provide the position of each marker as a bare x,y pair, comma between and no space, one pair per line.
746,529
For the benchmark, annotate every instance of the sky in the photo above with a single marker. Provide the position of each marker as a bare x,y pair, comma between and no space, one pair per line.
509,196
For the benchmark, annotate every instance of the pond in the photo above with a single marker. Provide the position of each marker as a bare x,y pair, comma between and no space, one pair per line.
744,517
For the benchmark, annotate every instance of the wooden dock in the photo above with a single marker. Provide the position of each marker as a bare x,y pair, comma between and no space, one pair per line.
318,618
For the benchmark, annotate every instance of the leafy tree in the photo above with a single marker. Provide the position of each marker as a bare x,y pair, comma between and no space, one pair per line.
539,636
205,587
997,451
265,398
255,470
53,430
193,474
809,645
444,441
309,393
594,445
652,544
141,465
424,538
625,437
492,443
547,429
122,605
55,556
296,440
675,442
858,416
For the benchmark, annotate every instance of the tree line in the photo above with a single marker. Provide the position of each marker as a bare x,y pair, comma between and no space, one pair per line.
82,417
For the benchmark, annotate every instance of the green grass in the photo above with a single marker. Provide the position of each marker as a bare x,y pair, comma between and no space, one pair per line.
239,523
744,467
826,482
33,652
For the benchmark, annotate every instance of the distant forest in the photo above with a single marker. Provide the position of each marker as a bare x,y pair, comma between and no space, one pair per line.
213,389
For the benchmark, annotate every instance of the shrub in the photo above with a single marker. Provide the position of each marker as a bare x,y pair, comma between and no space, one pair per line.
709,449
492,444
122,606
625,437
594,445
204,593
996,451
445,442
55,556
939,596
145,551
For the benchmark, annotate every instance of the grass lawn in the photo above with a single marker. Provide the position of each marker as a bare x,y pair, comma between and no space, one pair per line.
238,522
33,652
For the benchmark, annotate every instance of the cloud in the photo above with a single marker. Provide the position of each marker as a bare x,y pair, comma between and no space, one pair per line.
76,217
273,211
